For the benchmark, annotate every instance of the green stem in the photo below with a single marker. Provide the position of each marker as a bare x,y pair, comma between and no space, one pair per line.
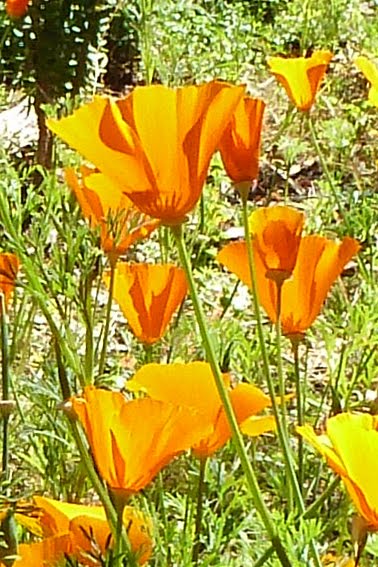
281,383
264,558
326,170
201,228
148,353
88,318
281,378
229,300
121,547
265,359
222,390
311,510
38,291
110,510
284,124
105,336
5,383
300,394
92,474
197,533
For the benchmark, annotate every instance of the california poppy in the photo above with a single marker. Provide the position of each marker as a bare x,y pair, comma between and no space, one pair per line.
156,143
148,295
78,531
240,144
88,527
319,262
48,552
192,385
104,205
300,76
9,265
131,441
16,8
350,446
371,73
276,235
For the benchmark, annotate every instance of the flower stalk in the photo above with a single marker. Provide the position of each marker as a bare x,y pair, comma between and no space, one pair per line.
222,390
5,385
280,428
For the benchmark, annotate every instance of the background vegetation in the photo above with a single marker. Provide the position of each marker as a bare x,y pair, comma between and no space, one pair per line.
60,54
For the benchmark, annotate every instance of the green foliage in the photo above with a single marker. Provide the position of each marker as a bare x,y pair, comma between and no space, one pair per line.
62,47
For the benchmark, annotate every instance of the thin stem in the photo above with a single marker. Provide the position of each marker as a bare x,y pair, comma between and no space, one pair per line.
222,390
229,300
284,124
281,383
92,474
105,336
280,429
201,228
120,550
264,558
99,487
197,533
300,394
89,354
5,383
148,353
265,359
281,377
311,510
326,169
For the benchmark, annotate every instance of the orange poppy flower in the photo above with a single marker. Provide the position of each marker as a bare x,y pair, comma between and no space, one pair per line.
350,446
78,531
276,235
148,295
320,261
240,144
104,205
300,76
156,143
16,8
370,71
88,528
132,441
9,265
46,553
193,385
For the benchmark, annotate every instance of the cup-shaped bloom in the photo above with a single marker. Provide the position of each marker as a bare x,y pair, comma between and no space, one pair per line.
192,385
9,265
50,551
276,234
131,441
240,144
370,70
148,295
156,143
105,206
319,262
350,446
300,76
16,8
89,530
76,531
